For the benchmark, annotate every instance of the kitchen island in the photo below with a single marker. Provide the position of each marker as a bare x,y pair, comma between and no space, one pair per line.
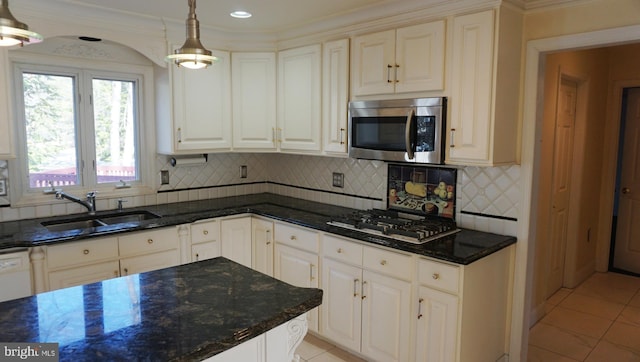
191,312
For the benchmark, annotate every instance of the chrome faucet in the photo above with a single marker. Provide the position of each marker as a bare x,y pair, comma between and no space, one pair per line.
90,204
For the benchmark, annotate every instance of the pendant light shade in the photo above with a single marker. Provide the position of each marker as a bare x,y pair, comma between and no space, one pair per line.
13,32
192,54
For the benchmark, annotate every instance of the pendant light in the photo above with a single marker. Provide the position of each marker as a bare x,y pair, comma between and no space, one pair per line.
192,54
13,32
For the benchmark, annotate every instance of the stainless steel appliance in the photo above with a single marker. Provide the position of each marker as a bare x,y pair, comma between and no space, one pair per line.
405,130
396,225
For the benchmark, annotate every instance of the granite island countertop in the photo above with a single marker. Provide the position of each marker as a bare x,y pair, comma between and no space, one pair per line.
462,248
184,313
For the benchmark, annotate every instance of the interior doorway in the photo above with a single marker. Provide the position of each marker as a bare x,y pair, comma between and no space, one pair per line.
625,241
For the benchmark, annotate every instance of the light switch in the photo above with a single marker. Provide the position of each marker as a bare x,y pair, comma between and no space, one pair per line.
338,179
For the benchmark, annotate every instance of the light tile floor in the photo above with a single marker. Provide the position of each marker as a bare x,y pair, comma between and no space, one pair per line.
314,349
599,321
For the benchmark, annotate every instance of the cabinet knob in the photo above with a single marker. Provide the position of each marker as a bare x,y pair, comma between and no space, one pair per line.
206,232
115,273
197,256
383,262
268,243
293,237
339,250
436,276
85,251
126,271
150,241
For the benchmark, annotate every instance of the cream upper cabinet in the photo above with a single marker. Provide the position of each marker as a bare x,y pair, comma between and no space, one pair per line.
299,98
194,108
253,80
6,123
335,95
409,59
485,88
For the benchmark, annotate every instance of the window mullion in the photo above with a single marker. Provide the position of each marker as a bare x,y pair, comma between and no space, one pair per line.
86,133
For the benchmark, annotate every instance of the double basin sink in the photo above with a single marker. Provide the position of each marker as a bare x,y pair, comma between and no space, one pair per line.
92,221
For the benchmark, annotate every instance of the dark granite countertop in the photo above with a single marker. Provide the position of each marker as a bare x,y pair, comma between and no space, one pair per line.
464,247
184,313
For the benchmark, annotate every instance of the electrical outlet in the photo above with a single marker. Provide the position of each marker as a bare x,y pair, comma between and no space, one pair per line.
338,179
164,177
243,171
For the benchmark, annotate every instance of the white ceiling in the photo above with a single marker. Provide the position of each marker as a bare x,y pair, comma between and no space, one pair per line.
269,16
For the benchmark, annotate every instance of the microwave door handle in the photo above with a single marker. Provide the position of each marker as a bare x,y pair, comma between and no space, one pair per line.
407,134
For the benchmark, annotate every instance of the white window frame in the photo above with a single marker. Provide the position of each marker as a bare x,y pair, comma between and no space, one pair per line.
20,192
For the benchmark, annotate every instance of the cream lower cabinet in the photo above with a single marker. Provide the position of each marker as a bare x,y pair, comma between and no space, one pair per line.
296,261
94,260
262,244
367,300
205,239
235,236
462,309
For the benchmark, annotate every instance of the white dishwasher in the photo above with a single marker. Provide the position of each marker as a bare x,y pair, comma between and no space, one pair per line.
15,274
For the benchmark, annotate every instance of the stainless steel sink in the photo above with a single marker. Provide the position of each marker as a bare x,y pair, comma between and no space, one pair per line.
64,225
127,217
88,222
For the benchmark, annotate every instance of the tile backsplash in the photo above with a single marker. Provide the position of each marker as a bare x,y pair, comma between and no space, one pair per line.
487,198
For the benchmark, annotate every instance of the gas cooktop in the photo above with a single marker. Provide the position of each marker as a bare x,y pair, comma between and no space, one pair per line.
396,225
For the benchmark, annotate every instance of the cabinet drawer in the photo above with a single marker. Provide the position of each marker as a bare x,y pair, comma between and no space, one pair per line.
342,250
205,231
81,252
297,237
148,242
84,275
439,275
387,262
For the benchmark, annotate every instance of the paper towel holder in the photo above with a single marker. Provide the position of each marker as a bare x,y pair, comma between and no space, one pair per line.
189,160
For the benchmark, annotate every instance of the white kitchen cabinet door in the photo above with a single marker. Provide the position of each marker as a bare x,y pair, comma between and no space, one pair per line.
298,268
149,262
372,63
409,59
200,120
83,275
485,88
263,245
253,79
204,251
235,235
335,95
386,324
342,303
299,93
420,57
6,119
437,325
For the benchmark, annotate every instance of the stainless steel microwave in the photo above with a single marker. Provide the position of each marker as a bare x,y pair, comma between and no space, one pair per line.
400,130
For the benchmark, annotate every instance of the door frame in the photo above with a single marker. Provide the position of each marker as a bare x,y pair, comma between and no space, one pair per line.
530,165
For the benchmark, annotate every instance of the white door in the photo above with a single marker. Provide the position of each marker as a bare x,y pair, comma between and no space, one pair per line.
627,243
373,63
235,236
262,238
561,183
386,321
342,303
437,318
298,268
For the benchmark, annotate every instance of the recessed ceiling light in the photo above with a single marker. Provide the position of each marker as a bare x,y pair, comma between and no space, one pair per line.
241,14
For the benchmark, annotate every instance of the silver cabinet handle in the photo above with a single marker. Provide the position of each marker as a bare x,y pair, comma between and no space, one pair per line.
355,287
179,135
389,66
453,132
341,136
273,135
396,74
407,134
420,307
311,277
